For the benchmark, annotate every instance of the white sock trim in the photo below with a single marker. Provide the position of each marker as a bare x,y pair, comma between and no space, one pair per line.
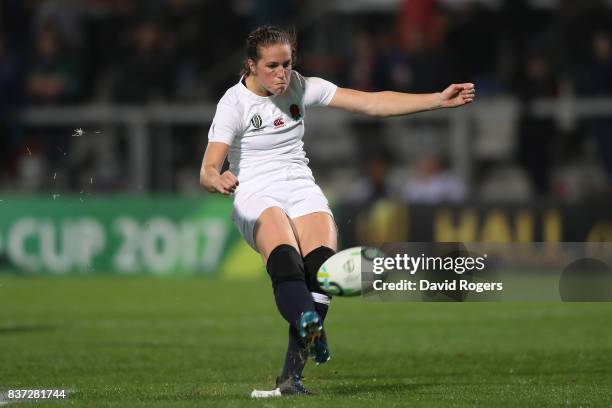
320,298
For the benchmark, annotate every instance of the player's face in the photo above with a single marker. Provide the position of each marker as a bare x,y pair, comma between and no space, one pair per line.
273,69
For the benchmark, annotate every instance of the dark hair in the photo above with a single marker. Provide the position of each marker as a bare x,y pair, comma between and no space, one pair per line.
264,36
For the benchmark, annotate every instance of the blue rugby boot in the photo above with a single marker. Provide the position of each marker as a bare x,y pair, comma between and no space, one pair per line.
320,352
310,331
310,328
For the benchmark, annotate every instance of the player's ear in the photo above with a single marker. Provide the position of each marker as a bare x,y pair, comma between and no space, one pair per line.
252,66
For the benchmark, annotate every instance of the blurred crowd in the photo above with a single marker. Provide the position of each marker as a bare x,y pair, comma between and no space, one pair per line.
128,51
57,52
135,51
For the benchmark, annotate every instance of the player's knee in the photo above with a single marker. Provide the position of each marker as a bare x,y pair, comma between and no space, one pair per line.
285,264
312,263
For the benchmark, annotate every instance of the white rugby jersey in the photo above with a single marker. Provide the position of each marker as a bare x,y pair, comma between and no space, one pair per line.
265,132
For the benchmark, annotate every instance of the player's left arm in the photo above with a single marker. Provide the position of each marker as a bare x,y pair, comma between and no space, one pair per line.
387,103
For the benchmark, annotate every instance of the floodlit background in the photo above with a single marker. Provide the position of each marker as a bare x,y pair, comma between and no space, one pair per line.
540,128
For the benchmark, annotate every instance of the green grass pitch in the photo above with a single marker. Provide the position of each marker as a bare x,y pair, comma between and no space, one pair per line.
145,342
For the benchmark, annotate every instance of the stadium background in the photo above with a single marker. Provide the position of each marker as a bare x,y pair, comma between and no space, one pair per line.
105,107
531,161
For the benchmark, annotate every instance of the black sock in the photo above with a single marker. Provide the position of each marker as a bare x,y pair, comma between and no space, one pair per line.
286,269
312,263
321,309
293,299
296,357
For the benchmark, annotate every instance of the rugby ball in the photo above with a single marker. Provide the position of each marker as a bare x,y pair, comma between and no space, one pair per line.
340,275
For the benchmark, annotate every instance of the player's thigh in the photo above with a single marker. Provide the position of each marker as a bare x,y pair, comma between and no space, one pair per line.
315,230
273,228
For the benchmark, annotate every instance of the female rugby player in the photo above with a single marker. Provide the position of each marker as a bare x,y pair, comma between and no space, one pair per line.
277,206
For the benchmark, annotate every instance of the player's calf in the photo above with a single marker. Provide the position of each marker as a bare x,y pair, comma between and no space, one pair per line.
286,270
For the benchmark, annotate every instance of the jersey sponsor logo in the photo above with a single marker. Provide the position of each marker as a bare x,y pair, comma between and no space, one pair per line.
256,121
279,123
295,112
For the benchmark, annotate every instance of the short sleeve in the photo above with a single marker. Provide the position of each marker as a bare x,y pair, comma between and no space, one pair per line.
318,92
225,125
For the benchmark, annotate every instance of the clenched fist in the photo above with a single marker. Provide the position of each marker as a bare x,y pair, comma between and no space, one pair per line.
457,95
226,183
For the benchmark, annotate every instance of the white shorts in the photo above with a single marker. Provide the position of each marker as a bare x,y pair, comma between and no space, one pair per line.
295,192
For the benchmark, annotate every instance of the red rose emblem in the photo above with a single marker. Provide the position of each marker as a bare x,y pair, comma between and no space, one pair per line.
295,111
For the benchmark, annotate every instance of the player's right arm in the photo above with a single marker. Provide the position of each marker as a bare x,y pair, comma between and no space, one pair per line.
211,177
